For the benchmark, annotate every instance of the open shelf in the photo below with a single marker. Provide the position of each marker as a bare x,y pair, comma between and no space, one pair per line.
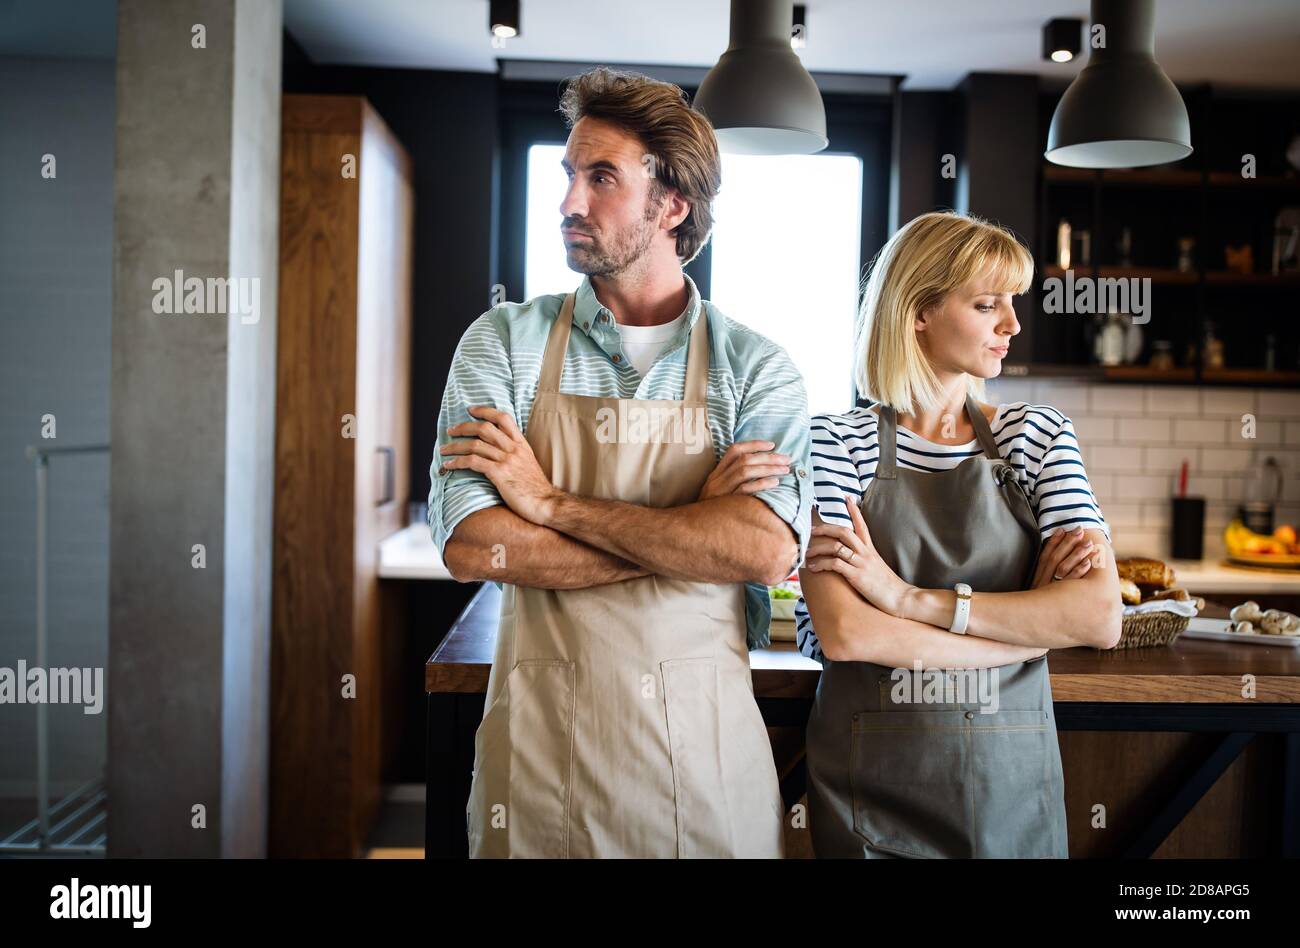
1168,178
1155,274
1232,278
1163,177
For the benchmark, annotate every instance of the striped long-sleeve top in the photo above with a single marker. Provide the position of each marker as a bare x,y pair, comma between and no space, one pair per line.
1037,440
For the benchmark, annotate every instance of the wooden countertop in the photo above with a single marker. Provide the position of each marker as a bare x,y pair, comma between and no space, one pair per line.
1189,671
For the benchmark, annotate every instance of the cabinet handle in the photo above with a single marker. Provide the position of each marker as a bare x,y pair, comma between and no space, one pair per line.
390,459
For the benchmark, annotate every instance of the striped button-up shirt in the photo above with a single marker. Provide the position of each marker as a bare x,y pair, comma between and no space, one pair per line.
754,393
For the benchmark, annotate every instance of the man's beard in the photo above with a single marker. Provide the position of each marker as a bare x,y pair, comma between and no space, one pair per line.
625,249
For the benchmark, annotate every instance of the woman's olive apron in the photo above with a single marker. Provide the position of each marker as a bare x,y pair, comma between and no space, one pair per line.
927,772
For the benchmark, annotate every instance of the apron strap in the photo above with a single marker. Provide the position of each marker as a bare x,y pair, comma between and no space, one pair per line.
886,438
982,430
697,361
557,343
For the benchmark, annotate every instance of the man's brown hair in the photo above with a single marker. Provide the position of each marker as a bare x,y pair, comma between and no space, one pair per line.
680,139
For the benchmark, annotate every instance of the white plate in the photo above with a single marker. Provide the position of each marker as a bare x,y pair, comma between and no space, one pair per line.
1216,630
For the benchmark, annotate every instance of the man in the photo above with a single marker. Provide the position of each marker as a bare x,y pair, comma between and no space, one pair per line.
620,715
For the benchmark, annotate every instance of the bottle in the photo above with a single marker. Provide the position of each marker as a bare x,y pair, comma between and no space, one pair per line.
1262,488
1063,244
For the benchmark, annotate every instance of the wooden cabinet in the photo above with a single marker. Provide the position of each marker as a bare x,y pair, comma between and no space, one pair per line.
342,421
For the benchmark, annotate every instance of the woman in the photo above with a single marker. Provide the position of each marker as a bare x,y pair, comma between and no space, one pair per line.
949,534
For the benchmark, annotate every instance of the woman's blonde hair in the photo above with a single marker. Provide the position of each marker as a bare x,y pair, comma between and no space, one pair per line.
930,257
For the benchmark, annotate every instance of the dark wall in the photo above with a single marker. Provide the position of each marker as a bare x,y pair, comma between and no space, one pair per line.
925,129
448,123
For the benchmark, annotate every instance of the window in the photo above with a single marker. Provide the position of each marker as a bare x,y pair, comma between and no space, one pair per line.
786,247
786,251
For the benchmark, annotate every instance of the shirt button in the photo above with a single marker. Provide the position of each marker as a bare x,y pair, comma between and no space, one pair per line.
586,325
969,715
617,357
801,472
604,318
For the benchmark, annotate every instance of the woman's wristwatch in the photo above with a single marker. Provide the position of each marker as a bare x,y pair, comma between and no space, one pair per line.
961,615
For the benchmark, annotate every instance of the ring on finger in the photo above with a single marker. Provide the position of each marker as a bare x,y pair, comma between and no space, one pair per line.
840,553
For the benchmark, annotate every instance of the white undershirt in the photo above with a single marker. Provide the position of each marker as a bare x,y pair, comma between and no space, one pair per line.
644,344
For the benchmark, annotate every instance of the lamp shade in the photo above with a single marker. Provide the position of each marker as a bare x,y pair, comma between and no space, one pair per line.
1121,111
759,97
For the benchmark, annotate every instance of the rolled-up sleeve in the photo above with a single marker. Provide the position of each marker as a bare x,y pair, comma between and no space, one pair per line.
775,408
480,374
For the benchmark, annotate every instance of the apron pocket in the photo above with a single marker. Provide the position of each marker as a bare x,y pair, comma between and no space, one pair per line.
953,783
692,701
523,752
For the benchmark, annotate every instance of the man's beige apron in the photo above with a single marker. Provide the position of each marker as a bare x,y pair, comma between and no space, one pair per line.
620,719
927,778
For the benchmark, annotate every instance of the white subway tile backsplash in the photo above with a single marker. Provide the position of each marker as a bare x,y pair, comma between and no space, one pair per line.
1227,401
1118,399
1139,432
1255,434
1274,403
1208,486
1172,400
1131,487
1067,397
1002,391
1156,514
1103,485
1139,542
1105,458
1200,431
1135,438
1225,460
1121,514
1161,460
1094,429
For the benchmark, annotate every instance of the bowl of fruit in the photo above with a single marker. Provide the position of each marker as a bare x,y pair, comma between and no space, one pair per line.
1245,547
784,597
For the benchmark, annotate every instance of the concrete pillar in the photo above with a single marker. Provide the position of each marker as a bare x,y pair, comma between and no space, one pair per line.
196,203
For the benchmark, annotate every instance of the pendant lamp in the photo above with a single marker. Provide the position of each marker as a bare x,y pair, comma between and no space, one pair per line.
1121,111
759,97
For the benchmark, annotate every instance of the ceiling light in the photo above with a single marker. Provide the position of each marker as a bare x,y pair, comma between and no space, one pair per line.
799,32
1061,39
503,18
759,97
1121,111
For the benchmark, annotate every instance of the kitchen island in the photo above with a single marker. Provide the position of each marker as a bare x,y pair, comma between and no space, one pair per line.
1166,750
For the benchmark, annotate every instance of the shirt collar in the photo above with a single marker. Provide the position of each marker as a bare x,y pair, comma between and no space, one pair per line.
587,309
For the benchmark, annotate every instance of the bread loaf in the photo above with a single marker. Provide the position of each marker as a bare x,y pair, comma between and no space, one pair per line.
1146,572
1129,592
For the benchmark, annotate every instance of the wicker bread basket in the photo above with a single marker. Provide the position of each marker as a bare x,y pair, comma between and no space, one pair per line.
1151,628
